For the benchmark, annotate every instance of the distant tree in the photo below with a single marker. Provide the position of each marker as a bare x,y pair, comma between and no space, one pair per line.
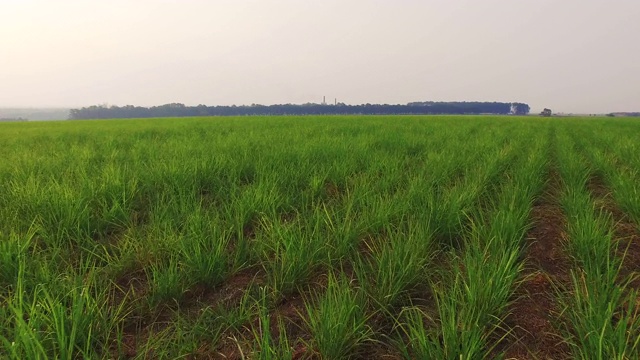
546,112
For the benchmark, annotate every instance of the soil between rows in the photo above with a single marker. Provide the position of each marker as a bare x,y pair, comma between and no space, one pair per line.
534,313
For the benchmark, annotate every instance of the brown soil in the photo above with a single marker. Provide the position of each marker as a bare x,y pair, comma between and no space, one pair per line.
250,229
626,232
378,350
140,327
288,312
534,313
229,293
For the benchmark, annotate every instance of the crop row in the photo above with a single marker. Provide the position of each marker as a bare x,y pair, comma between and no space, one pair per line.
600,307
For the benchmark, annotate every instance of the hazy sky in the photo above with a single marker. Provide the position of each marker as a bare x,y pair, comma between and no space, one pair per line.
569,55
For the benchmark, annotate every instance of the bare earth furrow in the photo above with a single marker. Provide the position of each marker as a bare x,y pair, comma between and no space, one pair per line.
534,312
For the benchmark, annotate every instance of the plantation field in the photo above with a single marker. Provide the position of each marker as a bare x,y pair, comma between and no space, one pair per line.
392,237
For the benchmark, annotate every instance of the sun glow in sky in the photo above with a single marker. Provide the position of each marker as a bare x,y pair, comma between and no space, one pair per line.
570,55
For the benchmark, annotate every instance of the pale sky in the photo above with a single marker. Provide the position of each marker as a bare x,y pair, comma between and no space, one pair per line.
568,55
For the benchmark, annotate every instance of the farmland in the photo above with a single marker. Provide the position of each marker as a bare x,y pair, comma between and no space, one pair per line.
392,237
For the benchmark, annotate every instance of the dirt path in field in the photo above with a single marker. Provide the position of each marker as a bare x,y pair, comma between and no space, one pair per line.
626,232
534,314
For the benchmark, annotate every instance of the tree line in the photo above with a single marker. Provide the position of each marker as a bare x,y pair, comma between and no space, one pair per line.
414,108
